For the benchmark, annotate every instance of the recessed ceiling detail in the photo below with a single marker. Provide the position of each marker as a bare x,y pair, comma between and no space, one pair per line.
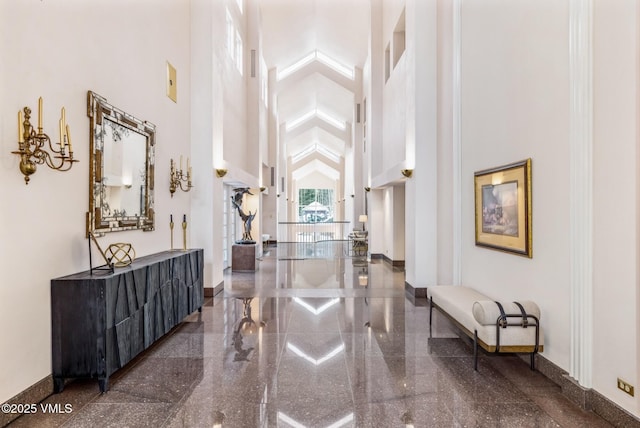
316,148
315,166
320,114
316,55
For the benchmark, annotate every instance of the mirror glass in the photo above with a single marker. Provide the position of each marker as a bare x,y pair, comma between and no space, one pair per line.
121,169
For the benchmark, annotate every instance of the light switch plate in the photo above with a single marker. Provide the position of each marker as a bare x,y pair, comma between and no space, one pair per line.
172,83
626,387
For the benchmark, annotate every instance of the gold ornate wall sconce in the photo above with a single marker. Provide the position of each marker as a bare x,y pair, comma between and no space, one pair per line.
177,178
221,172
407,172
32,145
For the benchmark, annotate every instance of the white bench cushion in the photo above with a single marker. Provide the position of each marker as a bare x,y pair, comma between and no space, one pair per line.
486,312
458,302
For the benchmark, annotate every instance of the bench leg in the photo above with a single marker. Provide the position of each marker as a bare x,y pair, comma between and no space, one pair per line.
430,314
475,350
533,361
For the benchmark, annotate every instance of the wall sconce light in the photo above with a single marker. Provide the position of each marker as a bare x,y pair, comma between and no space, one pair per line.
221,172
367,189
31,145
363,218
407,172
177,177
127,182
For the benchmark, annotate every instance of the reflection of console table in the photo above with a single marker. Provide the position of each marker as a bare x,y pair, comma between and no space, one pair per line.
101,321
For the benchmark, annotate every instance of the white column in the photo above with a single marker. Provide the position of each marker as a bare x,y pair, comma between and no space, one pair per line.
457,146
581,185
421,191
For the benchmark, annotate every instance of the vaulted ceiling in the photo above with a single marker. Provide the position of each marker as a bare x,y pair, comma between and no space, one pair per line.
293,28
315,98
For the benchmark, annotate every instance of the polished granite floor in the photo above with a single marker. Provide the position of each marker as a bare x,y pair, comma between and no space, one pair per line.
315,343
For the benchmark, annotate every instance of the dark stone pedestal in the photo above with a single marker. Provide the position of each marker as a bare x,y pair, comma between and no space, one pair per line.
243,258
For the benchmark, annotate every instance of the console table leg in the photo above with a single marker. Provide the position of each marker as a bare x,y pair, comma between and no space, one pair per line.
103,383
58,384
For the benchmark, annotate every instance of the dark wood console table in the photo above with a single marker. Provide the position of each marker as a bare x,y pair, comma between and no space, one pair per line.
100,321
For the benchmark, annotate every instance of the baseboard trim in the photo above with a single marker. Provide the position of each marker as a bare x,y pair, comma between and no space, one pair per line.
585,398
213,291
416,295
34,394
415,292
394,263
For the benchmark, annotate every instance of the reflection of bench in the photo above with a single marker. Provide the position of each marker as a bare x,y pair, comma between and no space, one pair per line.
494,326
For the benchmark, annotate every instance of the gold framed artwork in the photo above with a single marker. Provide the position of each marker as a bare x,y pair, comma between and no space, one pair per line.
503,208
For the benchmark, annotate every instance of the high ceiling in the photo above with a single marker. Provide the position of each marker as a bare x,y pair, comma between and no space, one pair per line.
337,29
293,28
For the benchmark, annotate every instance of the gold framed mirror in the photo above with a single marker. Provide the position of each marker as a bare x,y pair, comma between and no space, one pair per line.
121,169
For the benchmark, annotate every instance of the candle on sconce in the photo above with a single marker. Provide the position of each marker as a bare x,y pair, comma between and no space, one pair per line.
69,140
20,132
184,218
171,218
40,113
180,162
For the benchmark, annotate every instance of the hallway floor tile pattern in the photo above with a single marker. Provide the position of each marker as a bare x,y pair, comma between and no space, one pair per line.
315,343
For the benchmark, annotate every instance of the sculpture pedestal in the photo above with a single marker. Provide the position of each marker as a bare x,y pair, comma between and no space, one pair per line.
243,258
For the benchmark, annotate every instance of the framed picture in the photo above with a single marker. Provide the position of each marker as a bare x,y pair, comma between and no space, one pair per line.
503,208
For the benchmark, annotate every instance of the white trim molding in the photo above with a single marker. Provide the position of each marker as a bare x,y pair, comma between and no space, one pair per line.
581,185
457,146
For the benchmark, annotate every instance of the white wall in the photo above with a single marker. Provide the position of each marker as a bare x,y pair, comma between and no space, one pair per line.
398,223
395,91
236,148
515,106
446,192
615,157
207,118
63,50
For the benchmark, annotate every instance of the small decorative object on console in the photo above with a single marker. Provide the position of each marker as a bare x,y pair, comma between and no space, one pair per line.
120,254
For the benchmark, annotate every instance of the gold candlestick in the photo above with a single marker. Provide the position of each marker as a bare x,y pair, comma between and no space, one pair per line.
184,232
171,227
